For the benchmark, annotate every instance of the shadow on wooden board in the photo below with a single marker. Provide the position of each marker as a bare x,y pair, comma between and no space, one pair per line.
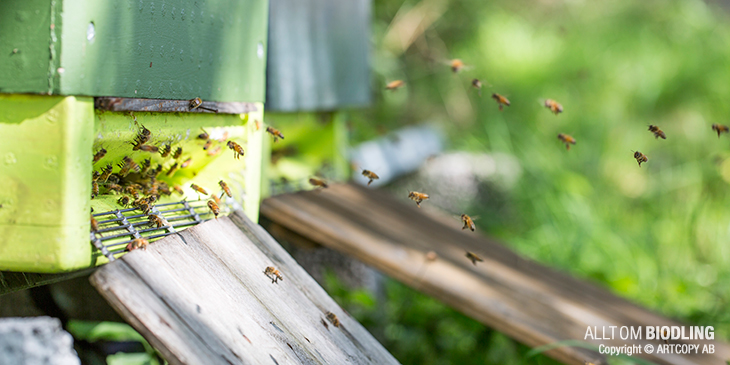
200,296
529,302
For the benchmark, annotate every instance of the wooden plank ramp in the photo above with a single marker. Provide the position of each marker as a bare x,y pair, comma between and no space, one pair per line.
201,297
527,301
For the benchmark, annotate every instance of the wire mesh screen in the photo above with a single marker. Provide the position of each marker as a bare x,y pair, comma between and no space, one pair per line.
117,228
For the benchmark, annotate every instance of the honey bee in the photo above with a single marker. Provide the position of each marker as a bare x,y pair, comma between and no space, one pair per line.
143,205
216,199
215,151
370,175
198,189
257,123
333,319
123,201
172,169
148,148
214,208
567,139
179,189
99,155
237,149
318,183
156,220
143,135
207,144
94,224
114,187
178,153
719,128
640,157
431,256
473,257
273,274
186,163
145,166
197,103
126,165
456,65
468,222
554,106
226,189
657,132
95,176
417,197
274,132
394,85
94,189
204,135
165,150
164,188
501,101
137,243
477,85
105,172
132,191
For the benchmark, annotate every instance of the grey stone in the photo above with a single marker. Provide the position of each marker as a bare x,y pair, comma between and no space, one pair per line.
35,340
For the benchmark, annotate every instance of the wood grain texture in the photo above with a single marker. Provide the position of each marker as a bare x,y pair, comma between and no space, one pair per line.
201,297
529,302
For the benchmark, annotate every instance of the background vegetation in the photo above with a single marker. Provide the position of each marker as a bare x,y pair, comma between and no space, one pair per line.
657,235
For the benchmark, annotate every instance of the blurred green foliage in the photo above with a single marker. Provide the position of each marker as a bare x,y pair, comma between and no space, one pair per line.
658,234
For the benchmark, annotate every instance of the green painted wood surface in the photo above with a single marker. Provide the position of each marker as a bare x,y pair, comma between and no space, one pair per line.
45,152
212,49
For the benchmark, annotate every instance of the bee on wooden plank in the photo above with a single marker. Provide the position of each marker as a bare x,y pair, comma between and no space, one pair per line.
226,189
237,149
178,153
370,175
274,132
333,319
719,128
318,183
137,244
554,106
567,139
273,274
501,101
165,150
417,197
198,189
657,132
473,257
468,222
395,85
197,103
214,208
640,157
99,155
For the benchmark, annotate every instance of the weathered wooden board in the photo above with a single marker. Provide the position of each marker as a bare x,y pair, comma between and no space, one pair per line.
521,298
201,297
170,106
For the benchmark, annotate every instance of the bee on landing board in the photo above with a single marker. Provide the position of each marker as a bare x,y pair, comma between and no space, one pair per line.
567,139
106,172
370,175
501,101
94,189
333,319
468,222
640,157
395,85
99,155
554,106
148,148
274,132
137,243
318,183
417,197
226,189
473,257
165,150
156,220
178,153
273,274
214,208
657,132
719,128
237,149
123,201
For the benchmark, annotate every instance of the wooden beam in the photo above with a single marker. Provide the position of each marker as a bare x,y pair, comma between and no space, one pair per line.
201,297
170,106
529,302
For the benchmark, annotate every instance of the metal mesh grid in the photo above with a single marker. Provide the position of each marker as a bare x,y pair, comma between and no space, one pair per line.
119,227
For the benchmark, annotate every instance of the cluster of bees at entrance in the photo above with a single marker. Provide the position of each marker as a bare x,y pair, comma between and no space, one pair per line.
554,107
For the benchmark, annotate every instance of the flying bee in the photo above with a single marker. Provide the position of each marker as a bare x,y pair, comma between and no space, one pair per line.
257,123
94,189
333,319
216,150
165,150
273,274
567,139
94,224
417,197
123,201
186,163
719,128
318,183
640,157
456,65
224,136
198,189
214,208
477,85
207,144
178,189
274,132
554,106
156,220
237,149
178,153
99,155
226,189
395,85
370,175
197,103
473,257
501,101
216,199
106,172
468,222
172,169
204,135
657,132
148,148
137,243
